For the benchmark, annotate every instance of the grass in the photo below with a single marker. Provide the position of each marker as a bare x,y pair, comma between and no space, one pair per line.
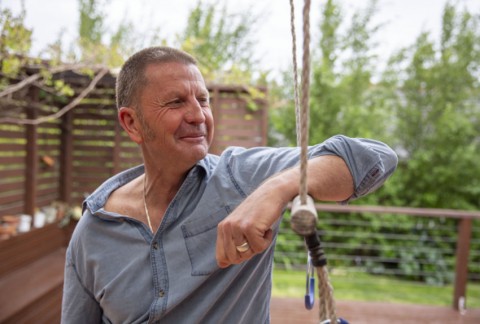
365,287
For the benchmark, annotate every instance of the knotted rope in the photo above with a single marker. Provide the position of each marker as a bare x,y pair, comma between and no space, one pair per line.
325,289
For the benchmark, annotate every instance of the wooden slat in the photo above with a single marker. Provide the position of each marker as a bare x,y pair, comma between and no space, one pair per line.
86,148
11,209
132,160
30,288
95,127
249,133
94,170
48,180
46,309
93,137
93,179
50,138
12,186
12,133
12,147
27,247
12,197
43,201
47,191
12,160
11,173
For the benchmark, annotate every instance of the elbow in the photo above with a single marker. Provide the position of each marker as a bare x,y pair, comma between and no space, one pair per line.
390,160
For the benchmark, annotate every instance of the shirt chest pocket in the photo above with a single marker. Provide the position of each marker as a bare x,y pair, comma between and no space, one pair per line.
200,237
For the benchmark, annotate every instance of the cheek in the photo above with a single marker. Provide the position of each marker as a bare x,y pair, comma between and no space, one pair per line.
210,124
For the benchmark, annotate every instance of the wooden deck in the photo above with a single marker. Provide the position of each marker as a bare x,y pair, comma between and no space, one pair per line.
292,311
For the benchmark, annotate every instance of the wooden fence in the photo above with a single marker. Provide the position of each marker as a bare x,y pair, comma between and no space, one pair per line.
67,158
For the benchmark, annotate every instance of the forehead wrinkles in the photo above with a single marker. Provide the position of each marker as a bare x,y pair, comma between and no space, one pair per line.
172,71
178,86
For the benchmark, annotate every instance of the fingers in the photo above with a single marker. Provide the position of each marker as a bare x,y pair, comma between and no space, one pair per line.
230,248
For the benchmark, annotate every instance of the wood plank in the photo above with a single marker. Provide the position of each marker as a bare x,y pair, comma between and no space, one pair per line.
238,132
46,309
47,191
13,147
12,186
29,284
13,208
27,247
11,197
80,148
12,160
101,170
94,137
4,174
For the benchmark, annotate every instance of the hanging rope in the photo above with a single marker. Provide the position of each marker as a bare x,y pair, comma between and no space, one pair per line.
305,223
305,111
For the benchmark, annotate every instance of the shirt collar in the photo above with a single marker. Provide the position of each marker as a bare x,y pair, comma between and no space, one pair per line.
98,198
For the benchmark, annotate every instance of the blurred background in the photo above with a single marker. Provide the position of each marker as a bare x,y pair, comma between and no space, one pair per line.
401,71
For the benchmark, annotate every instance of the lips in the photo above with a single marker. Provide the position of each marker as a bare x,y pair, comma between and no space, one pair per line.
193,133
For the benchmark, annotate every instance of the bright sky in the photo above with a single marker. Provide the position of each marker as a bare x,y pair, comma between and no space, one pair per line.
405,20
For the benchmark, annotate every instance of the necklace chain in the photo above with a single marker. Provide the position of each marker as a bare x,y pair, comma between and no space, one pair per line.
145,204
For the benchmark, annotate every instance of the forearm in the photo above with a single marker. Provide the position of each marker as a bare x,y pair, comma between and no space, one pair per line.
340,169
328,179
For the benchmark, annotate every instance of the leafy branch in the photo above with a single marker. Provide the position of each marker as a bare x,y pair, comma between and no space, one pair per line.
103,71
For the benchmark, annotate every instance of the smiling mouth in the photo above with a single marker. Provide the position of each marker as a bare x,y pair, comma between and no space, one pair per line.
193,137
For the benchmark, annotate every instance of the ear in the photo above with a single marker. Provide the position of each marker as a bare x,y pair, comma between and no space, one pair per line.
129,120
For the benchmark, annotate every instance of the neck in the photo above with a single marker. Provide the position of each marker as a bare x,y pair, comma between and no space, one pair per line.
159,189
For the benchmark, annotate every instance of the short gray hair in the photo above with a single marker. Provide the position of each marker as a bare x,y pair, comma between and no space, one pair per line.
132,75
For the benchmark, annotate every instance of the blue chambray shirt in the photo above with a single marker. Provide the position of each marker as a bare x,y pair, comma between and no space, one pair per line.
117,272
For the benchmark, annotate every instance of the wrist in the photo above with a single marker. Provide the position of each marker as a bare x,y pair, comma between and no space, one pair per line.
283,186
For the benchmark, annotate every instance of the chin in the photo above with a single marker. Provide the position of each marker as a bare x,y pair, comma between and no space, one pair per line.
198,153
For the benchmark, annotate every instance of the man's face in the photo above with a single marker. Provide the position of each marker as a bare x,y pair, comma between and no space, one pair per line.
177,120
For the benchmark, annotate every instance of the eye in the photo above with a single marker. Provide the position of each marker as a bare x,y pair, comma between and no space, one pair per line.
175,103
204,101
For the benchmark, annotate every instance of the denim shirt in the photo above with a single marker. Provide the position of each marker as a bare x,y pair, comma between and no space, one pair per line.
117,271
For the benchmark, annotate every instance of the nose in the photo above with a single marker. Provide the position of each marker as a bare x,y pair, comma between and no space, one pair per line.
194,113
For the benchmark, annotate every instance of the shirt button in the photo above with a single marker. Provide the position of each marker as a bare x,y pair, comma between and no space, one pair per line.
161,293
155,246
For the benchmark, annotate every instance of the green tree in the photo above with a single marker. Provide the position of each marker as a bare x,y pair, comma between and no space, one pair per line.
96,45
343,97
221,41
438,115
15,42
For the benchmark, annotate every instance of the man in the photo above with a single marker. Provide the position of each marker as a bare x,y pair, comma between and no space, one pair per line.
187,237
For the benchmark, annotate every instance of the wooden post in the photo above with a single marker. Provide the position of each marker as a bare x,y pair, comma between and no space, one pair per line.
31,163
66,158
461,268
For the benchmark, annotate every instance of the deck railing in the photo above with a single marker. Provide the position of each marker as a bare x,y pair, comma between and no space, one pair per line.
374,239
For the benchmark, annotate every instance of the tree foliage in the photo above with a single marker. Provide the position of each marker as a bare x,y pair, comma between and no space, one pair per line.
438,114
425,104
96,45
15,41
222,42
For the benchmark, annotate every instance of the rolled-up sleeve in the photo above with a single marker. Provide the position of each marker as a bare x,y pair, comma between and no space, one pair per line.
78,305
370,162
